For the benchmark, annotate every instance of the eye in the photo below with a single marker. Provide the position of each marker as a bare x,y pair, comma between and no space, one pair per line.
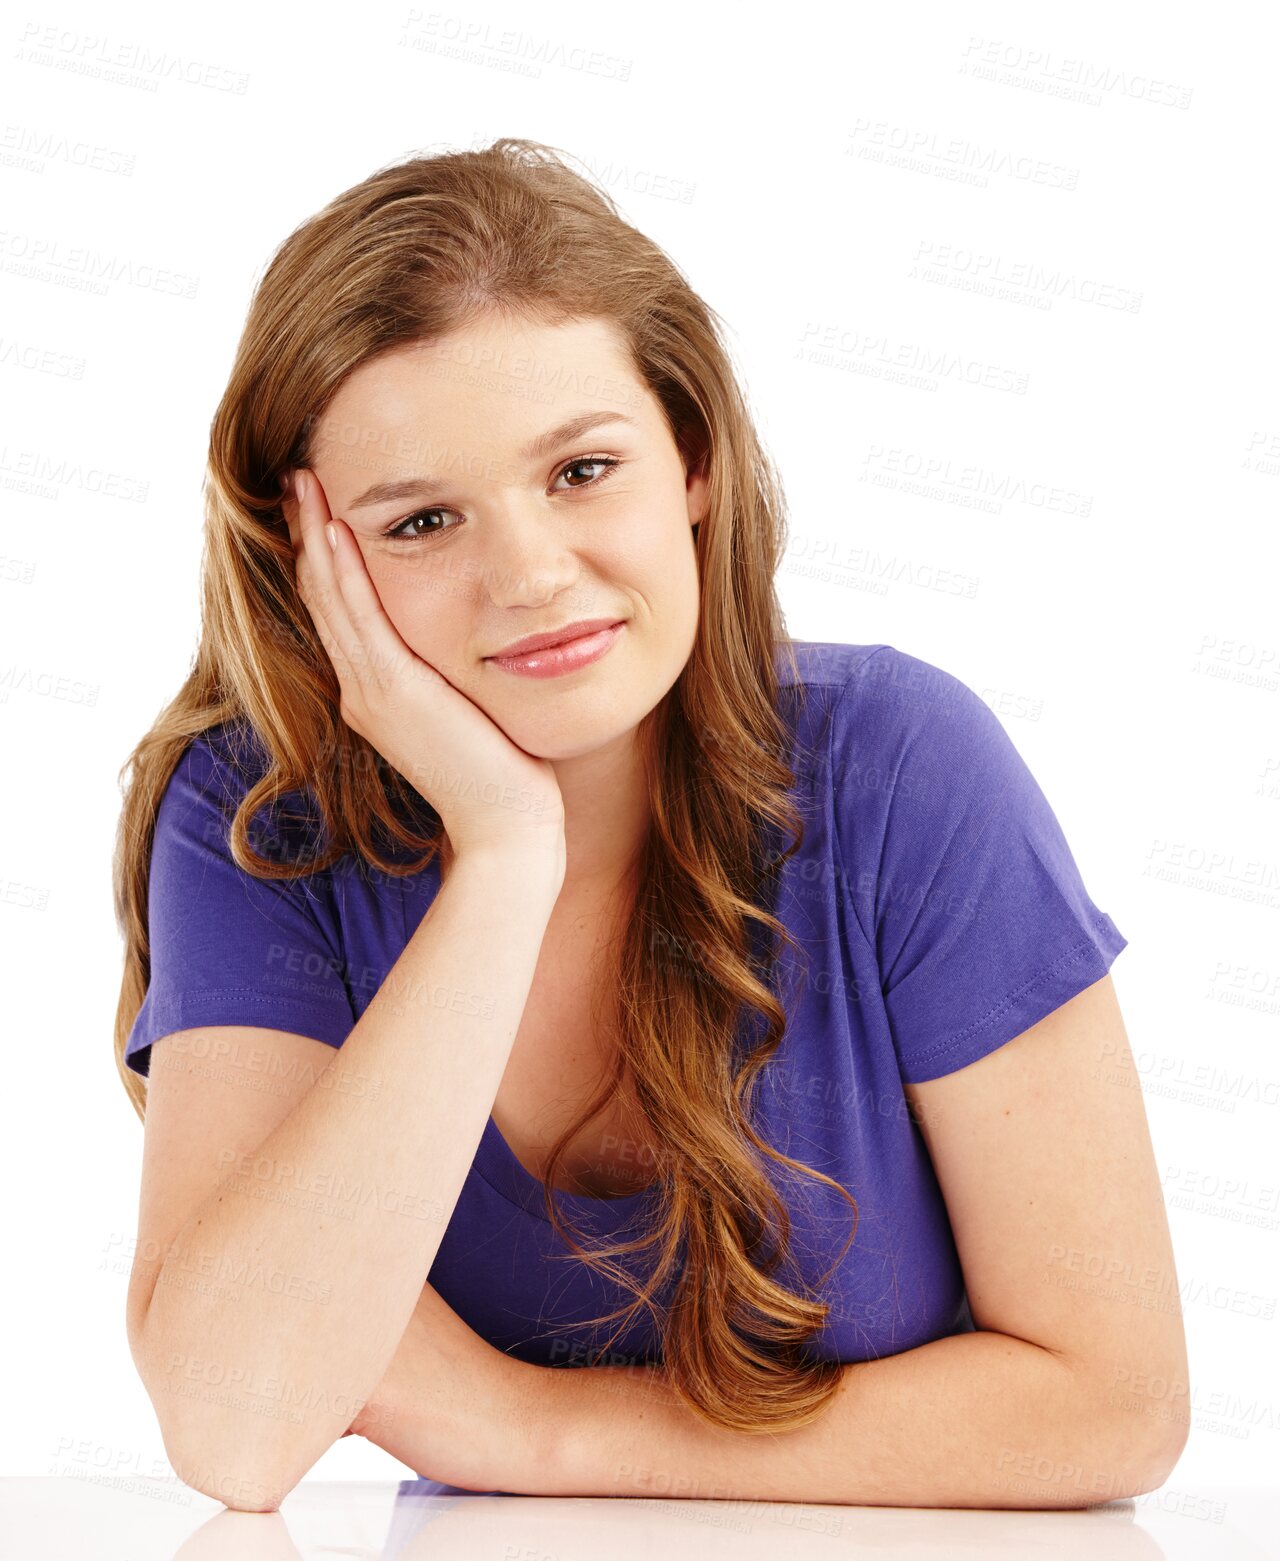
607,461
396,533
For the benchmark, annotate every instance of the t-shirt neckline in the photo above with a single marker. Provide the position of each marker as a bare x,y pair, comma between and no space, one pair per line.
495,1161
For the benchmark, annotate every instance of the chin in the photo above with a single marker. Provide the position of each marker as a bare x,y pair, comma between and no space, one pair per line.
587,724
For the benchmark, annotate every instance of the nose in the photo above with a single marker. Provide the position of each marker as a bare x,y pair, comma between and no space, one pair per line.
527,559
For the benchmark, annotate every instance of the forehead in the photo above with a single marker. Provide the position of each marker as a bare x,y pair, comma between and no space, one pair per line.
478,395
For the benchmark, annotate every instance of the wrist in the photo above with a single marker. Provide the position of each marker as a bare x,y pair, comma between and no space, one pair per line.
535,862
541,1422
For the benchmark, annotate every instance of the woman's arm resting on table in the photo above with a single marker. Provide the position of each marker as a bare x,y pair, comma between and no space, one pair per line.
1073,1392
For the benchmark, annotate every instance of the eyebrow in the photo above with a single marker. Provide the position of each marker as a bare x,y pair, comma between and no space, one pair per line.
411,487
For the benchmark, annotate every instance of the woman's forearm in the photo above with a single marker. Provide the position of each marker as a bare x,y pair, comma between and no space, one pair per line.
249,1395
970,1420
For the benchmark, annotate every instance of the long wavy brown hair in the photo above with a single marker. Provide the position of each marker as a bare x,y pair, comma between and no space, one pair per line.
410,254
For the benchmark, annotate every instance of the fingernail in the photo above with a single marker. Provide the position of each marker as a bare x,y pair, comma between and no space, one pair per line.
333,537
300,485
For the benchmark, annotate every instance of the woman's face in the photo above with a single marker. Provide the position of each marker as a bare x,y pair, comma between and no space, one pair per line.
494,541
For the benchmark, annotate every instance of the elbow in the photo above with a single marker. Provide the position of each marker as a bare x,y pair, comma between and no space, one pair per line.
233,1463
1111,1464
1161,1404
233,1484
214,1439
1160,1462
224,1452
1143,1435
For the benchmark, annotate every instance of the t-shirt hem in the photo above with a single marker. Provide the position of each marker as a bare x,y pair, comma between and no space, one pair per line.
237,1006
1084,963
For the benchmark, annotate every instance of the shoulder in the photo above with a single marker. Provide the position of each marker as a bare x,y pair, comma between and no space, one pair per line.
823,663
877,704
920,775
893,693
921,723
213,775
229,756
813,676
867,677
955,865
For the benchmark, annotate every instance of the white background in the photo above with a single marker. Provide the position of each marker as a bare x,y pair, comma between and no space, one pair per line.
1070,505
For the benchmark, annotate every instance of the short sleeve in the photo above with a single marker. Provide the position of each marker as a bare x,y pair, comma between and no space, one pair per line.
960,873
226,947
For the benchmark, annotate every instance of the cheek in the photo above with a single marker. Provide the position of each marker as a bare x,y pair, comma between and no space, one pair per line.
424,607
409,587
674,574
682,601
653,552
395,574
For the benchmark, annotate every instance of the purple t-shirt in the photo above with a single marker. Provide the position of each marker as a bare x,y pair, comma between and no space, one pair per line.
940,913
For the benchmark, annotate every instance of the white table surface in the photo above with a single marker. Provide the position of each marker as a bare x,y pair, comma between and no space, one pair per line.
106,1517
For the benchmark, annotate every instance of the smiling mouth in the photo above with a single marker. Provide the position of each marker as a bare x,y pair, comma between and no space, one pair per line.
566,656
532,643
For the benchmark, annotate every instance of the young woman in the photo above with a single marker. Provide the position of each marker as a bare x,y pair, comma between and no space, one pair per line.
524,934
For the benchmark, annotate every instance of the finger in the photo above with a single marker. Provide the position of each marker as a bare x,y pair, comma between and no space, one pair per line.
384,651
324,592
291,509
367,638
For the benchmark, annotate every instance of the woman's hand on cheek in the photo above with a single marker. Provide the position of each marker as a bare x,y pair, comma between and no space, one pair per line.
487,791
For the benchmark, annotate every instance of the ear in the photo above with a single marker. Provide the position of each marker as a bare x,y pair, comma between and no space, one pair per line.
289,509
697,486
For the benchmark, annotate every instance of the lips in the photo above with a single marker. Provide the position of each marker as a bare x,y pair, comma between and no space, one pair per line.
561,636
